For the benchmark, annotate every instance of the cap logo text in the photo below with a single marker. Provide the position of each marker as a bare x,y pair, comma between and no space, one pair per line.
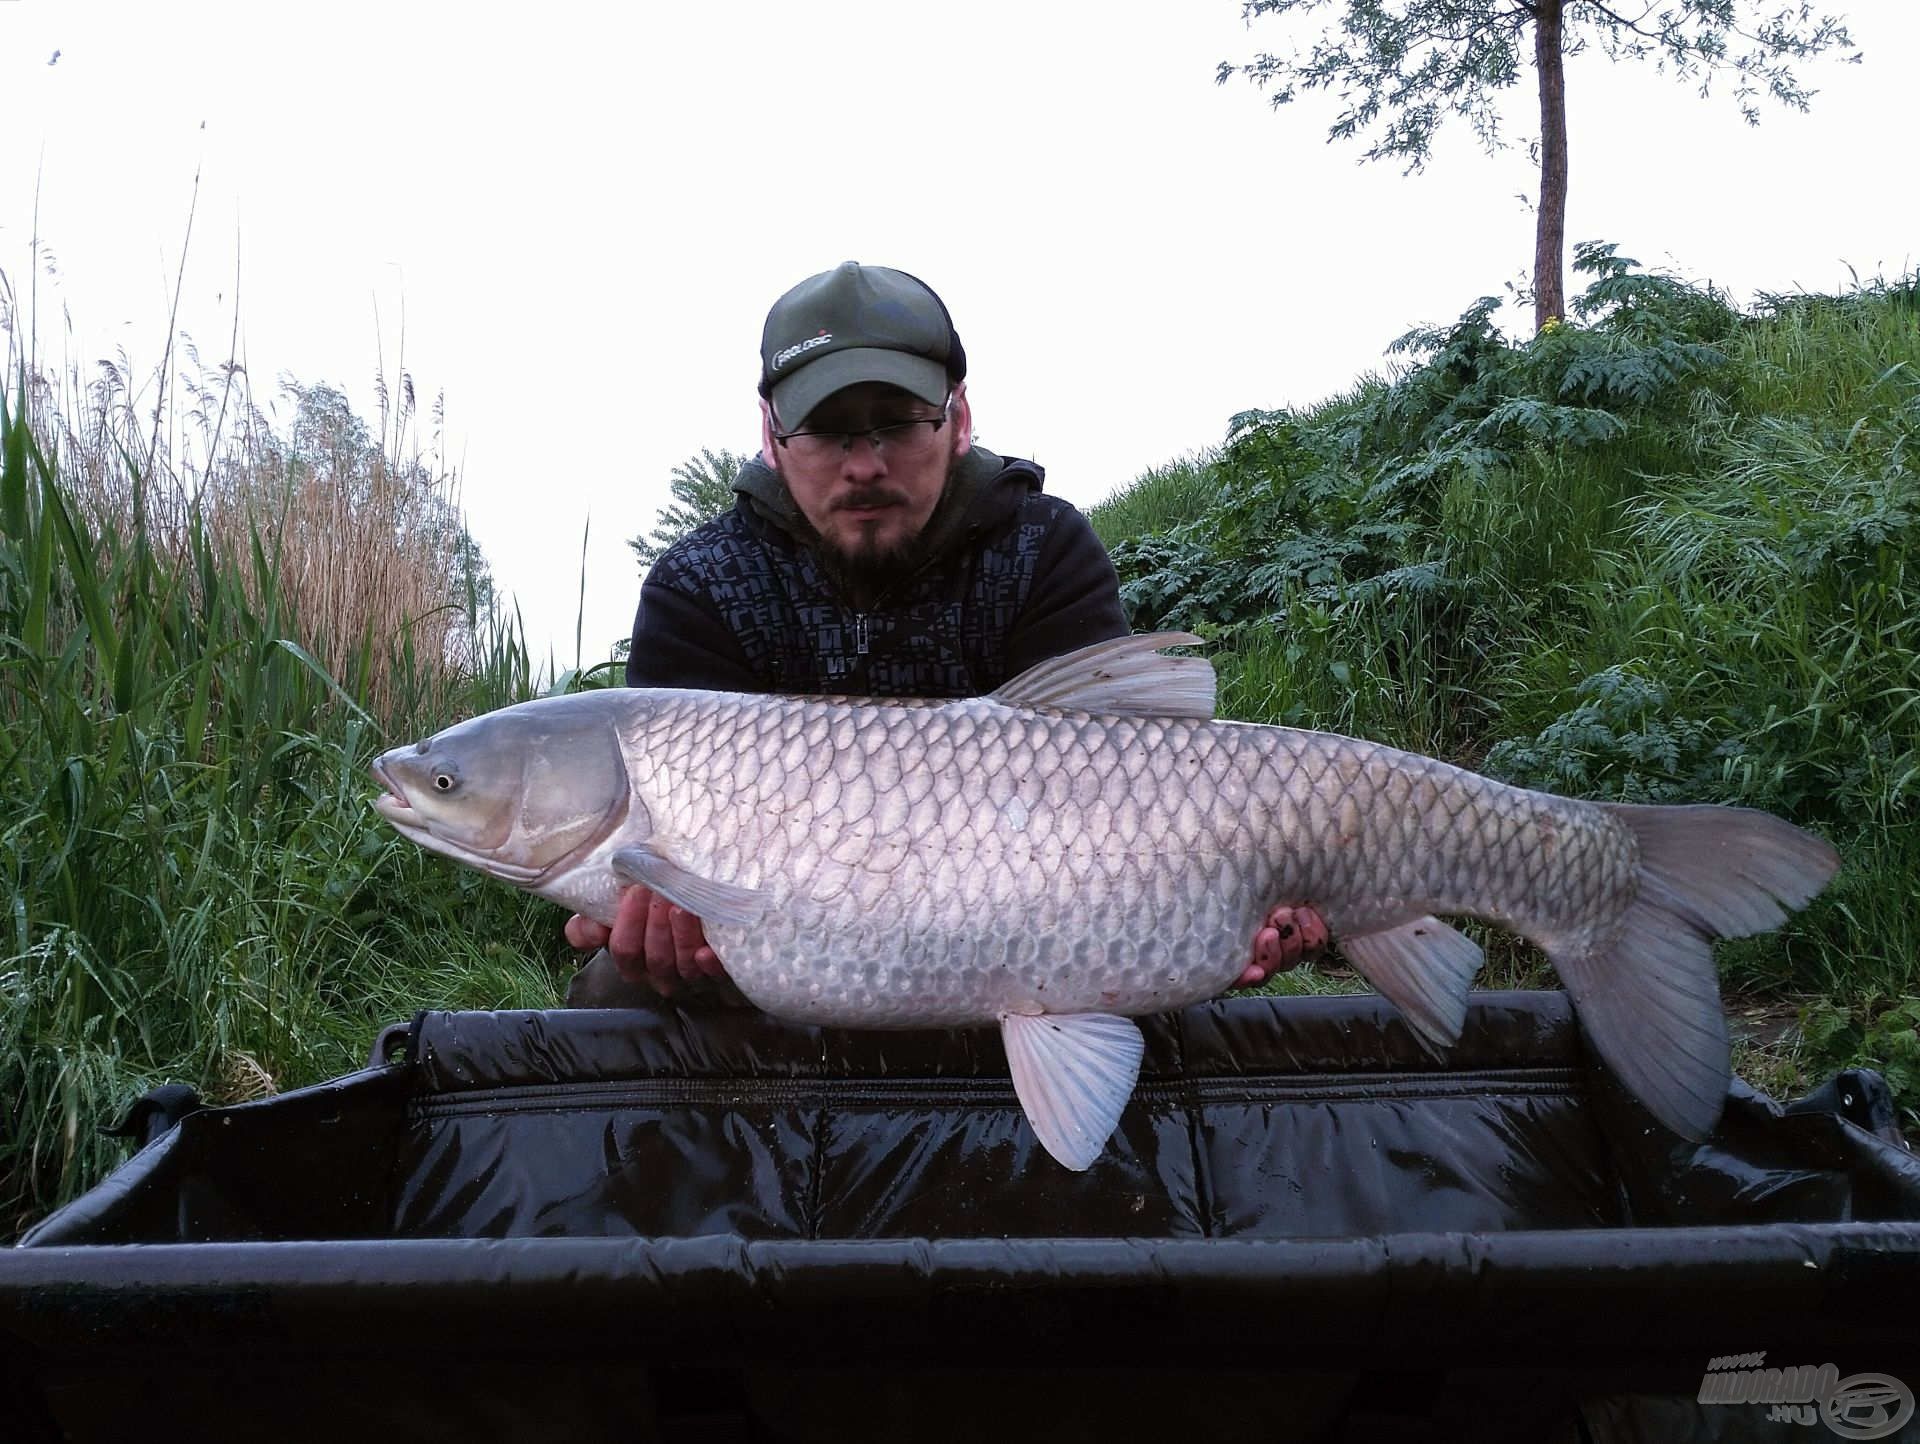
780,358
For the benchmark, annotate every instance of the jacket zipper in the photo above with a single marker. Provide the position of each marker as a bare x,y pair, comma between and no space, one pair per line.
861,636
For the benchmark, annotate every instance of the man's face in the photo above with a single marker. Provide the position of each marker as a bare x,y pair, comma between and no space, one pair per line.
869,504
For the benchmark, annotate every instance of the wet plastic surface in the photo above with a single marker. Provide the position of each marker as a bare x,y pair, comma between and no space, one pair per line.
613,1225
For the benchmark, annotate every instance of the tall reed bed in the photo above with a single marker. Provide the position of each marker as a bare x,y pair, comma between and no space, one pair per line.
204,638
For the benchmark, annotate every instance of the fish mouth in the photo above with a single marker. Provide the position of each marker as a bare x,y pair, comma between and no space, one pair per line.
392,803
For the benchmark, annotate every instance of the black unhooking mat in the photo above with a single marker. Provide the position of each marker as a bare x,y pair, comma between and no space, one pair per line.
611,1225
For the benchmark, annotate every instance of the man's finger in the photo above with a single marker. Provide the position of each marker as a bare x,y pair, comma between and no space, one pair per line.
1267,953
627,939
659,939
584,933
1287,949
1313,929
687,938
1300,932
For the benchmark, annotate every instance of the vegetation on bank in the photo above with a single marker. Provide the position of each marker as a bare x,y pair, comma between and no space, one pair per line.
1659,553
205,637
1662,553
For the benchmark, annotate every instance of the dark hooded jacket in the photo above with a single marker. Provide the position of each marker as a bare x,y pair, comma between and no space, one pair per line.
1003,577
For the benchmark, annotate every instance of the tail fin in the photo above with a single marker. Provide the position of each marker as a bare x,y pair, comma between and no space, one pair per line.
1649,996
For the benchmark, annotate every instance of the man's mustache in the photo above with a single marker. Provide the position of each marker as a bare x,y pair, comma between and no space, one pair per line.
864,500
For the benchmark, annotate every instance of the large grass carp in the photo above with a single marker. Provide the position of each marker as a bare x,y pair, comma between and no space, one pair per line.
1088,844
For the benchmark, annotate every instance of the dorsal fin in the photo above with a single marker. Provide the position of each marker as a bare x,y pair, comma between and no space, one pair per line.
1126,676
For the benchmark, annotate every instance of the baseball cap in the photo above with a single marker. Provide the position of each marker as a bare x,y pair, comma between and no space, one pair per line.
852,324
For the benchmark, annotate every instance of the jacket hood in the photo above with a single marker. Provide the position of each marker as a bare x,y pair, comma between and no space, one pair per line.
984,489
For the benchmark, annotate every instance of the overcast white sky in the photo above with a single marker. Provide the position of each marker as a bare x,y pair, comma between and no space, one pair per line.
586,212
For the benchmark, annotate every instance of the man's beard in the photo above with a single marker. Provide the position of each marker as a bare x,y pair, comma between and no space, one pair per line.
867,570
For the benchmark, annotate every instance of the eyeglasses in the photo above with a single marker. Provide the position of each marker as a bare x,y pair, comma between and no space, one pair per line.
898,438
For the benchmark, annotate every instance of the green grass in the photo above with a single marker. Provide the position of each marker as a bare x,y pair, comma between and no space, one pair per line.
1160,499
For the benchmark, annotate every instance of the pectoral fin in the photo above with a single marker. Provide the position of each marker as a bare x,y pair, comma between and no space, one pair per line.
1424,968
1073,1074
707,898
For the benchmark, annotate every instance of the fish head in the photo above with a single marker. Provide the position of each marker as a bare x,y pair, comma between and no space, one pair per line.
513,793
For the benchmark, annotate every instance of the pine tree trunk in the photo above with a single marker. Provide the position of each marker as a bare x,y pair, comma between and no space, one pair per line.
1550,236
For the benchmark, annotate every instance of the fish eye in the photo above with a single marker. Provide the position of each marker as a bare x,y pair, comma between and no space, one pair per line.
442,782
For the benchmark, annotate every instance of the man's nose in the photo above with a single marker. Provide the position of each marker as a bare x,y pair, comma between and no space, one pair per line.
863,460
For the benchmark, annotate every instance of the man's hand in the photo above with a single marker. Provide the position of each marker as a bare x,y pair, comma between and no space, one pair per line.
651,941
1287,937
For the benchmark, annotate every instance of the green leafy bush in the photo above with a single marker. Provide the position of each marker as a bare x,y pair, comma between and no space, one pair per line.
1883,1030
1660,553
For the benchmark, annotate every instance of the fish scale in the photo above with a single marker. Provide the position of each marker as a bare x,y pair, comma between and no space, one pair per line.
1088,844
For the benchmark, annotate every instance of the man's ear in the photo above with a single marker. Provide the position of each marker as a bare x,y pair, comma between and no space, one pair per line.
766,435
961,421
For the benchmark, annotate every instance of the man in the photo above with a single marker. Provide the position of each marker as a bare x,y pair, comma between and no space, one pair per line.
875,551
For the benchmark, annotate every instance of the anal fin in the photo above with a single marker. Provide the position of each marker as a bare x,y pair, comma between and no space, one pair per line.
1073,1074
707,898
1425,969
